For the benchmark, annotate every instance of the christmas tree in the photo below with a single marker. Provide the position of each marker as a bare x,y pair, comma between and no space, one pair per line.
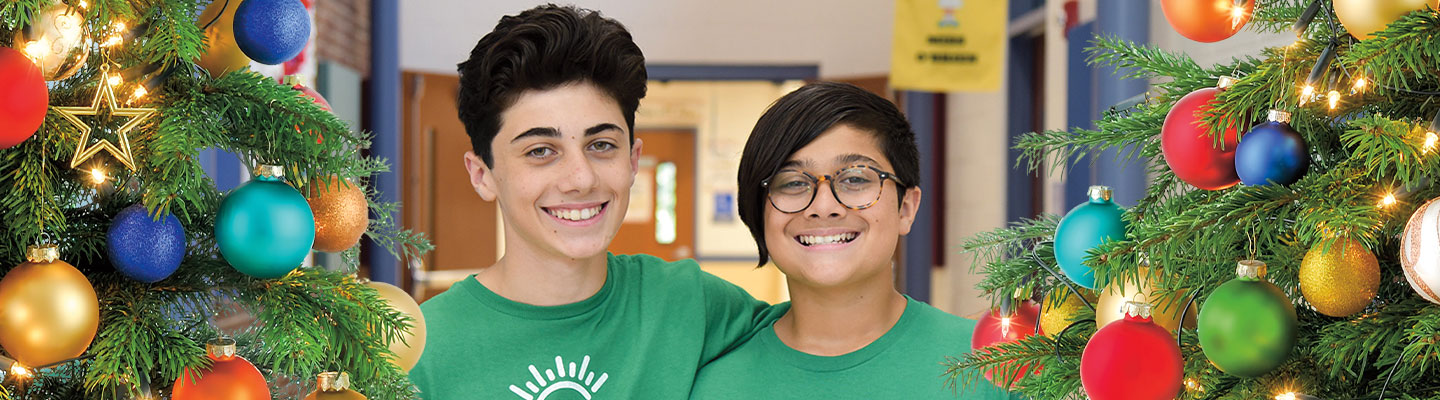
1282,254
118,250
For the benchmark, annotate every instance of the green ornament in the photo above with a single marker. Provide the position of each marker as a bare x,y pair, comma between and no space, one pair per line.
1247,326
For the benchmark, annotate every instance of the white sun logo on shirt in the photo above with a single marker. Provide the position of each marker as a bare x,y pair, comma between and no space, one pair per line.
581,381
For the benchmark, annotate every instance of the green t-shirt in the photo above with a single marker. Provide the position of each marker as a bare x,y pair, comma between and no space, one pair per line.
643,335
904,363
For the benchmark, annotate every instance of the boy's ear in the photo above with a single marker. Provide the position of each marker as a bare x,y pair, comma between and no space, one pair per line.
481,177
635,156
909,206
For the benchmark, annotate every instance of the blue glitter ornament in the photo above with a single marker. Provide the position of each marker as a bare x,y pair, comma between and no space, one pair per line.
1272,152
143,248
271,31
265,227
1084,228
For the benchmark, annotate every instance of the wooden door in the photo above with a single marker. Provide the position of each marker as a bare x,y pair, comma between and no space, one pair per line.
661,217
438,198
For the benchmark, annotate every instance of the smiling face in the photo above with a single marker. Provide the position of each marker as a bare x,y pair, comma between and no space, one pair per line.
826,244
563,166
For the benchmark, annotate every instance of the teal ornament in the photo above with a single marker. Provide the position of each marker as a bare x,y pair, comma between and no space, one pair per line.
1247,325
265,227
1084,228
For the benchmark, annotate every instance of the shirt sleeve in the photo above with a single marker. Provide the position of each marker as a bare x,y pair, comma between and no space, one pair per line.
732,316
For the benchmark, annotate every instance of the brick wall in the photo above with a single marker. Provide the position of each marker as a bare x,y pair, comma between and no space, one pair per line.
343,33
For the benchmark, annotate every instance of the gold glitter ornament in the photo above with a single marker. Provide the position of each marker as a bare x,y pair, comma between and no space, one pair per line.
1056,317
341,213
1341,281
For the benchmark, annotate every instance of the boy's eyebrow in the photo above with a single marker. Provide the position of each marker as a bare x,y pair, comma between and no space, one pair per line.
537,131
601,128
552,132
852,158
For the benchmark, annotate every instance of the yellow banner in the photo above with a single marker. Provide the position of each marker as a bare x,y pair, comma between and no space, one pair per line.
949,45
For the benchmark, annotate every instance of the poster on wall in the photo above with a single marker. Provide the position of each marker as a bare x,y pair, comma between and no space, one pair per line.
949,45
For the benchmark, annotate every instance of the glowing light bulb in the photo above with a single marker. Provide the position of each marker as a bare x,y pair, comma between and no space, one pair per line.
1285,396
1306,94
1359,85
140,92
1334,97
19,371
1005,326
84,4
114,80
97,175
1430,139
119,26
1388,200
36,50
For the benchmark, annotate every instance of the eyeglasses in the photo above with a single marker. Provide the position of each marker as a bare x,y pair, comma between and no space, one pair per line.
855,187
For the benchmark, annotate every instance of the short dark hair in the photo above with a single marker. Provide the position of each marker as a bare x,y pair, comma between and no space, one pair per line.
796,119
540,49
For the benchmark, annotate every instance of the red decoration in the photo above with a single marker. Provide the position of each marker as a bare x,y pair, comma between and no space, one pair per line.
313,95
994,328
1207,20
1189,149
230,377
23,97
1131,359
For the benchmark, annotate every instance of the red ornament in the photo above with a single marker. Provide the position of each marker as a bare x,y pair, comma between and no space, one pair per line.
23,97
230,377
315,96
1132,359
1189,149
995,328
1207,20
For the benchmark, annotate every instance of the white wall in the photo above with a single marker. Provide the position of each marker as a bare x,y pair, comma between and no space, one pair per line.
846,38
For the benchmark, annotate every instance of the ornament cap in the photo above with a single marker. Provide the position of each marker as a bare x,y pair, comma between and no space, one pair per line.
42,253
1137,309
1226,82
1279,116
293,80
221,348
1099,193
1250,269
331,381
270,172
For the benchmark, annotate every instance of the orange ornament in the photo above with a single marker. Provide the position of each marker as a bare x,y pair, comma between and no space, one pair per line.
334,386
230,377
341,213
1207,20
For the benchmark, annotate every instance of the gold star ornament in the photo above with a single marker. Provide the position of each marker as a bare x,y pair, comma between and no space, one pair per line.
105,100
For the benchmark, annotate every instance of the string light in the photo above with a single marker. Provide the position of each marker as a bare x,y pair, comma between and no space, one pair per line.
140,92
1359,85
84,4
114,80
1303,24
97,175
1334,97
1322,65
1193,385
19,371
1285,396
1431,136
1005,326
1388,200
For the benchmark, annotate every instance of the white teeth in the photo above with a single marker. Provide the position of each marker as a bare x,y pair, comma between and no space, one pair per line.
811,240
576,215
